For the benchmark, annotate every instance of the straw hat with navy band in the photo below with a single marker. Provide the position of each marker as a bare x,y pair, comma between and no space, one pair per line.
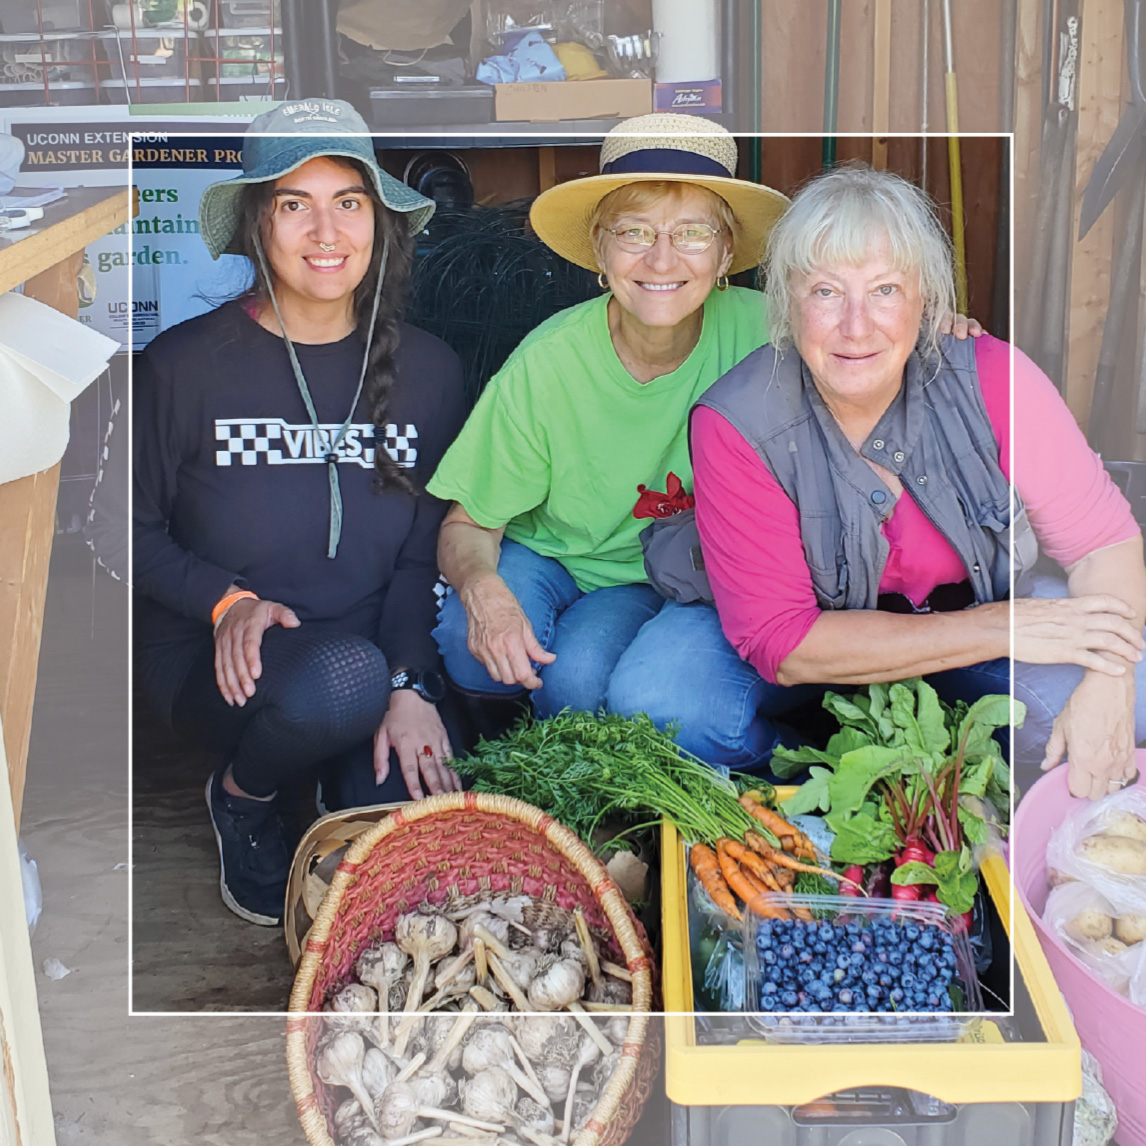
276,143
652,148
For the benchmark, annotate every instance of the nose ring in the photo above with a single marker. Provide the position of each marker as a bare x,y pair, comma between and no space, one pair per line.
326,246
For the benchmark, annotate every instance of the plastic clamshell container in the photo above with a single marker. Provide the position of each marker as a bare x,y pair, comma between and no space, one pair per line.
909,1026
152,53
249,13
246,53
756,1073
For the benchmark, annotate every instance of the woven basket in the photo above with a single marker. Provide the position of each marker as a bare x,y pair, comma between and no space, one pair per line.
452,846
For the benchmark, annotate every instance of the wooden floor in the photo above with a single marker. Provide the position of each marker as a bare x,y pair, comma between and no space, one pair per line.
160,1079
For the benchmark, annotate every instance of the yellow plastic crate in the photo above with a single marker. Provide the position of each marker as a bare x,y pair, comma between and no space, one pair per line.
755,1073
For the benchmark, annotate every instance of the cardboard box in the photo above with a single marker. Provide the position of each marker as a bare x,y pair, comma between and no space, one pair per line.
572,99
702,96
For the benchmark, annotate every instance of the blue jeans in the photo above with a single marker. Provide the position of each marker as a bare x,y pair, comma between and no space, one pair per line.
624,649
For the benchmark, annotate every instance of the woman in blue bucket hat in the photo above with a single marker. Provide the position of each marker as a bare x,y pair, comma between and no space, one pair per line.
283,543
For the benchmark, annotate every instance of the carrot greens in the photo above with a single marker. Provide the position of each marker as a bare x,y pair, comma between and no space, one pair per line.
587,770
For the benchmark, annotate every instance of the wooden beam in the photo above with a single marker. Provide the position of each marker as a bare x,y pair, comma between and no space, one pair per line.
25,1101
1100,81
27,526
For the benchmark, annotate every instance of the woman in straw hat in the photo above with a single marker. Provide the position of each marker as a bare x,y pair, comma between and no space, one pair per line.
284,556
855,505
559,460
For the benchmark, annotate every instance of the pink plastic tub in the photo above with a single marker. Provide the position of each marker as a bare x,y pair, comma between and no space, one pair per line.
1109,1026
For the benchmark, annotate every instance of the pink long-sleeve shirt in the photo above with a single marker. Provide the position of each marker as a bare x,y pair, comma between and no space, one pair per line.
750,530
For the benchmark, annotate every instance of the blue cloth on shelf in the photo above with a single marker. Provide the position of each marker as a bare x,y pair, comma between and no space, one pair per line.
527,60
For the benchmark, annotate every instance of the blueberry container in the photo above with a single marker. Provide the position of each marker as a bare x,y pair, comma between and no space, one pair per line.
857,968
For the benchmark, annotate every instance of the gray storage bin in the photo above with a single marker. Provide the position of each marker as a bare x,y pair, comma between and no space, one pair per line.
152,91
975,1124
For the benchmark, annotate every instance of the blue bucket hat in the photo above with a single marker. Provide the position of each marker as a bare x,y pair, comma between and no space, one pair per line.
286,137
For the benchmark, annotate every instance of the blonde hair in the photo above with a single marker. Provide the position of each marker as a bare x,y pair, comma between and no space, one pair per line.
839,218
633,198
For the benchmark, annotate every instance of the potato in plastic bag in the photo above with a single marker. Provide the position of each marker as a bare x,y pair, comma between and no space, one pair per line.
1103,845
1085,921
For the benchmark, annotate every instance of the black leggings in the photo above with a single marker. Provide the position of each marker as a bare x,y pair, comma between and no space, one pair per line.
318,702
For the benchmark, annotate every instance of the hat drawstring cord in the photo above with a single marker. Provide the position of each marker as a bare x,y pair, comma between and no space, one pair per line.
332,452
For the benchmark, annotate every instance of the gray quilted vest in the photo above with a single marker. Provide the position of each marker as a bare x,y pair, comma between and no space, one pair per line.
935,437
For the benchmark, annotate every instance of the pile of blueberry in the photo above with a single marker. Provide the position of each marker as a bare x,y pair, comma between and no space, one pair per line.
880,965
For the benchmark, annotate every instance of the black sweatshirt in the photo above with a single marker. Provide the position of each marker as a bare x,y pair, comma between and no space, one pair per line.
231,486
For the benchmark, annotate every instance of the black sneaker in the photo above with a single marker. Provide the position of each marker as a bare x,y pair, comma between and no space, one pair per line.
253,856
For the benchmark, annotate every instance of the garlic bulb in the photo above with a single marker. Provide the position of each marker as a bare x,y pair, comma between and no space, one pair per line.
397,1110
497,926
381,967
348,1113
355,997
558,986
377,1072
424,938
493,1047
589,1053
533,1116
437,1089
521,965
617,1030
604,1069
610,991
571,949
340,1064
548,1038
554,1080
490,1095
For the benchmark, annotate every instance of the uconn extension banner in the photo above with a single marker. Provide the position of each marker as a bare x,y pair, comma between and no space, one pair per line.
155,271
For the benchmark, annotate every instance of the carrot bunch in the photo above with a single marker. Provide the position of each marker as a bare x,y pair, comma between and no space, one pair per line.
748,869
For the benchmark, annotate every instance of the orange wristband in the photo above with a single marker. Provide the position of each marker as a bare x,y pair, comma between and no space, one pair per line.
222,606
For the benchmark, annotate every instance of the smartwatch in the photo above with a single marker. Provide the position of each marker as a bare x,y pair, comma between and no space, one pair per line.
429,685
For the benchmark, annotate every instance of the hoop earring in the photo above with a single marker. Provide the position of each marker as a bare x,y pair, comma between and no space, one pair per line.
602,282
722,283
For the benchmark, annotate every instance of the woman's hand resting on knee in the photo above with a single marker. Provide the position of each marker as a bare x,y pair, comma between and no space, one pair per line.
238,639
500,635
412,725
1095,732
1095,632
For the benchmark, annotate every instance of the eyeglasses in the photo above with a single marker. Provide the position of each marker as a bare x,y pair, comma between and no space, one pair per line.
688,238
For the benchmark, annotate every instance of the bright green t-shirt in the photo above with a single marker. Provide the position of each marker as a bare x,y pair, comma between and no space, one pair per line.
562,436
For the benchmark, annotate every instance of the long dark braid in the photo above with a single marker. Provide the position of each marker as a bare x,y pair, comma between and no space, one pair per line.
254,210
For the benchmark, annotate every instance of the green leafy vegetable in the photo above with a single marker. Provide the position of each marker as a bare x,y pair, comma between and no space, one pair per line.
585,770
906,766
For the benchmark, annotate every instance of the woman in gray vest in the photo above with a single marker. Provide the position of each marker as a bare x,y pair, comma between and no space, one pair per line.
854,502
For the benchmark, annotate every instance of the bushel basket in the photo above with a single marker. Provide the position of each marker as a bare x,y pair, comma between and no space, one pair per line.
455,847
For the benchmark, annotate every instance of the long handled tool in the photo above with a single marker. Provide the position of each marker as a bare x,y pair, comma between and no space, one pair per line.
954,162
831,83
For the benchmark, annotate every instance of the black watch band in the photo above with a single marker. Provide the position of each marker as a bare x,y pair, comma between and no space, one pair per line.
429,685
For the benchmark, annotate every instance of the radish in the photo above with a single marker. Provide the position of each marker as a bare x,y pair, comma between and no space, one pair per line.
915,851
906,891
855,874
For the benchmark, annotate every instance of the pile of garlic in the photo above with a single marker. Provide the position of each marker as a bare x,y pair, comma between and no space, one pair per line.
472,1078
505,953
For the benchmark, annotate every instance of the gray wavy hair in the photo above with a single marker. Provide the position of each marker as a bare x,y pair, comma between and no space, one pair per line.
838,218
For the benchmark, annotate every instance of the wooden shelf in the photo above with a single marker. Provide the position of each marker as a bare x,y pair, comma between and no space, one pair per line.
69,224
